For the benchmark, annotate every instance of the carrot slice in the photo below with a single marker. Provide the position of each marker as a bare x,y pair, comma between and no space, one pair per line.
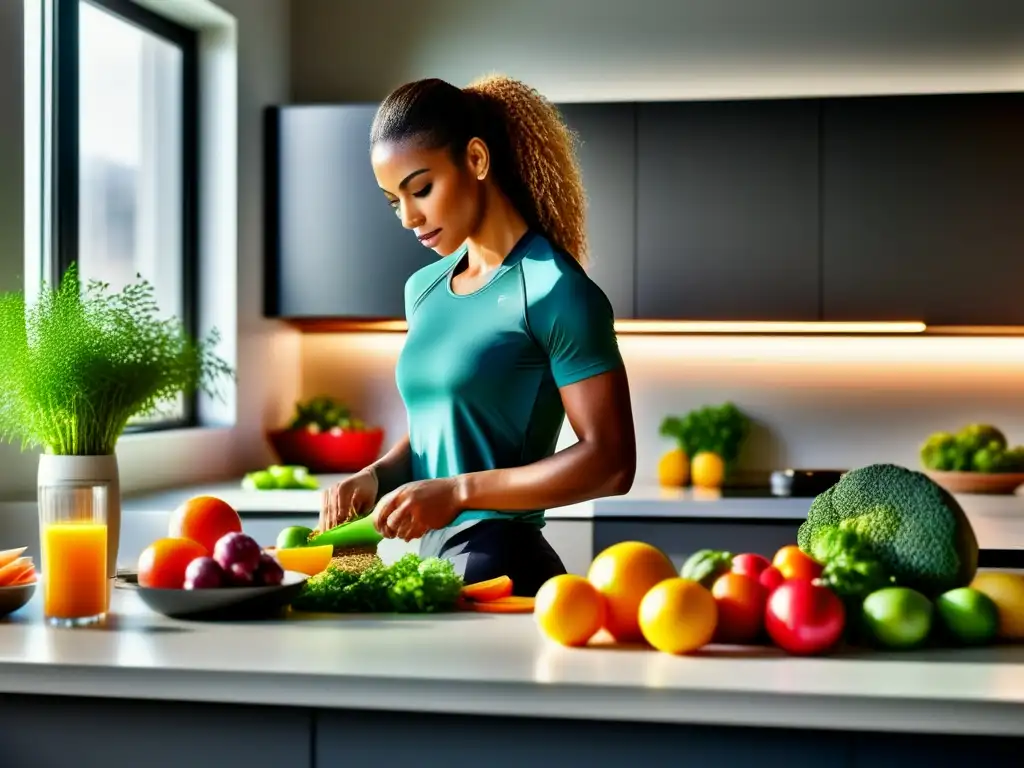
491,589
510,604
8,556
12,571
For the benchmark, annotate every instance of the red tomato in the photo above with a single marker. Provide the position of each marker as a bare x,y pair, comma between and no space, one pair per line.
770,578
740,600
750,564
803,618
794,564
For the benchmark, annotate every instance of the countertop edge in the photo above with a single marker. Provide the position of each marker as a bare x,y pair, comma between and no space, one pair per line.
519,699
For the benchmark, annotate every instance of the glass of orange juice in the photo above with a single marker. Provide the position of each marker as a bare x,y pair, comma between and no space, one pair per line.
73,544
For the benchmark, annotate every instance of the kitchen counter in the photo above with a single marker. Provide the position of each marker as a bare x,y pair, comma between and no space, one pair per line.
461,666
998,521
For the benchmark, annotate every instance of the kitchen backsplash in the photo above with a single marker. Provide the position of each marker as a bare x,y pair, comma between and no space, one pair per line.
826,402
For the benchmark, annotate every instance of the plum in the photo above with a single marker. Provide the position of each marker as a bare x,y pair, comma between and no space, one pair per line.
204,573
239,555
269,573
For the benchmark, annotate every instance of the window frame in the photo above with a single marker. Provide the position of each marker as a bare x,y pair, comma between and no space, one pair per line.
63,213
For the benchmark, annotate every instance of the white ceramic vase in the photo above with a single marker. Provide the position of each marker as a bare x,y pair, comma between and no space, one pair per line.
55,470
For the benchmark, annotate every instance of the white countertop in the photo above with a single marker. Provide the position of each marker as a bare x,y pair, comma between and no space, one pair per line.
998,521
489,664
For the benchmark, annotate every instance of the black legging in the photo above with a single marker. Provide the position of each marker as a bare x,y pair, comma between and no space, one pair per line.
492,548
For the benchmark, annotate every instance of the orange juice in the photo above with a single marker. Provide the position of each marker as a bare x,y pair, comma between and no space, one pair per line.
74,570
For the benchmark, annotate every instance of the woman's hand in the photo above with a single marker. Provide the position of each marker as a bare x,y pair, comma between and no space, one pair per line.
348,500
412,509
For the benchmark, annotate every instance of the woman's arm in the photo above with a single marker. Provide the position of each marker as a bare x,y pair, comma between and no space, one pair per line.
601,463
394,468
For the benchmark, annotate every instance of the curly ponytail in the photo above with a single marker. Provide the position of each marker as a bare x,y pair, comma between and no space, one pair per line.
533,152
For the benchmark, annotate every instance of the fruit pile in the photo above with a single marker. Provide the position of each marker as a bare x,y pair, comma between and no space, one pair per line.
16,570
280,477
974,448
205,548
633,594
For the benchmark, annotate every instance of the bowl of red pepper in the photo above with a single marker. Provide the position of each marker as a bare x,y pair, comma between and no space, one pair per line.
326,438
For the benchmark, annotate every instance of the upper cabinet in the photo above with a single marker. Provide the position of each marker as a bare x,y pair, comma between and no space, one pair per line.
607,156
335,247
840,209
727,211
923,209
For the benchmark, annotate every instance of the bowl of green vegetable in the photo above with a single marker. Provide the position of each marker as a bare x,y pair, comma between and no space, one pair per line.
976,459
325,437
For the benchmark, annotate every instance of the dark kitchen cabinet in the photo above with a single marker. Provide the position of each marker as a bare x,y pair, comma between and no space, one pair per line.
923,209
335,247
607,156
727,210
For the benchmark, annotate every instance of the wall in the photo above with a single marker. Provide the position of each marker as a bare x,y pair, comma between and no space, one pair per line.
817,402
232,275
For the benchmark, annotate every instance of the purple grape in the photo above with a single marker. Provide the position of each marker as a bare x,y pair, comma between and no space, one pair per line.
204,573
239,556
269,573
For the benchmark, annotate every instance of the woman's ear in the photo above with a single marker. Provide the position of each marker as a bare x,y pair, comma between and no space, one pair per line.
478,158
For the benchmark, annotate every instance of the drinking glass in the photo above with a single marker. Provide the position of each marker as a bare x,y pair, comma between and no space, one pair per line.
73,540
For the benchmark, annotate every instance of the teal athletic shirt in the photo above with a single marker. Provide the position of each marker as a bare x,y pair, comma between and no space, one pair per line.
479,373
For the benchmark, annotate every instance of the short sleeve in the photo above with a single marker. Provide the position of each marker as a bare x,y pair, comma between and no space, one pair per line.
575,324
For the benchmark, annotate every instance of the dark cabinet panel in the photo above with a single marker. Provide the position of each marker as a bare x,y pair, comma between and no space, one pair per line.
607,155
923,209
338,250
727,210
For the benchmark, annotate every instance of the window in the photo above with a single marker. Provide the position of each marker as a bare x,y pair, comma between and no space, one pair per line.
124,156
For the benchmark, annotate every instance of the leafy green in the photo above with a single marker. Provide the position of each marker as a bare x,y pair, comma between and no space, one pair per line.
323,413
719,429
706,565
78,364
409,585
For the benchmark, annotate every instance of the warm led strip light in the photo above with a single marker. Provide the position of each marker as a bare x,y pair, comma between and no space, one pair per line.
737,326
678,326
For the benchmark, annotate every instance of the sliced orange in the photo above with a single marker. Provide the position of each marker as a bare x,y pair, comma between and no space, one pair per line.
14,570
27,577
307,560
8,556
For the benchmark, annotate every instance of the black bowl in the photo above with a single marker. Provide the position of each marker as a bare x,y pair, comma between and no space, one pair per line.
225,603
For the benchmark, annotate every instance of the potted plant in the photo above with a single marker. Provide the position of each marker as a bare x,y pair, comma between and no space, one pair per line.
77,364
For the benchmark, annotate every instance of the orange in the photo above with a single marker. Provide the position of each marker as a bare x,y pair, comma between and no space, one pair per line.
678,616
793,563
623,573
162,564
1006,590
707,470
204,519
674,468
569,609
307,560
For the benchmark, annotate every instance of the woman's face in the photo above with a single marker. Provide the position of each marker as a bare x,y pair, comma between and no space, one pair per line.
441,202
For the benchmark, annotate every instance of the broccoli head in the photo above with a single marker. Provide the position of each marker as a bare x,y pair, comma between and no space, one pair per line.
974,437
915,528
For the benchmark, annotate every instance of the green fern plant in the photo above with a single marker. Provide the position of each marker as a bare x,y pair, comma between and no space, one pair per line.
76,365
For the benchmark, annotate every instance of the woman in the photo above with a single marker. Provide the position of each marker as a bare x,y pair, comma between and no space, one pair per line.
507,336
